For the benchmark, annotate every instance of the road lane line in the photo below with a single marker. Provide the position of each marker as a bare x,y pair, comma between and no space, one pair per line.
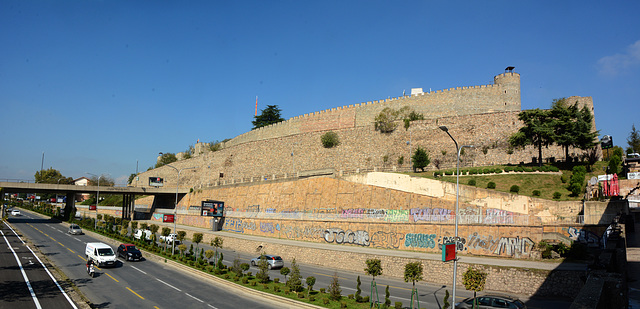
138,269
70,250
132,291
194,297
211,306
24,274
169,285
117,281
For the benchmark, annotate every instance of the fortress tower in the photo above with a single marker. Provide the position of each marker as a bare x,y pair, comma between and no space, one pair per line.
509,84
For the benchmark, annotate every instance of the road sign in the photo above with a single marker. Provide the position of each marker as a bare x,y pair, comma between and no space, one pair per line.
448,252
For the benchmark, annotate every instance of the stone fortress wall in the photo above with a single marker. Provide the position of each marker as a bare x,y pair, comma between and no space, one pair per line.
484,116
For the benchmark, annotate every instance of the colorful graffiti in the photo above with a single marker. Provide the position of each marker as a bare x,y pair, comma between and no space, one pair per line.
461,243
582,236
397,215
498,216
431,214
238,225
267,227
390,240
340,236
420,240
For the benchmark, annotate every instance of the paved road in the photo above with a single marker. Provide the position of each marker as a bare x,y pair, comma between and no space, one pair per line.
144,284
26,282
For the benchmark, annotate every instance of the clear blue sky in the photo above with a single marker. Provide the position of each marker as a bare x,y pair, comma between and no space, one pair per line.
100,85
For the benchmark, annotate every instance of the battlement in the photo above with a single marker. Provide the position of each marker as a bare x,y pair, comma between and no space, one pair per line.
503,95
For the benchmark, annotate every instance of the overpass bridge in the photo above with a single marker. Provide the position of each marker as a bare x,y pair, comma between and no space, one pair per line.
128,193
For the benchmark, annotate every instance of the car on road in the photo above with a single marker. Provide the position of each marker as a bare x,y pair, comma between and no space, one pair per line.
273,260
492,301
75,229
15,212
142,234
171,238
129,252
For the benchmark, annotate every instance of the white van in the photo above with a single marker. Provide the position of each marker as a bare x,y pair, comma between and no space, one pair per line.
101,253
139,234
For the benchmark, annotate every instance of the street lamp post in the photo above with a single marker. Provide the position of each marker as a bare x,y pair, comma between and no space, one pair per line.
175,208
95,225
455,262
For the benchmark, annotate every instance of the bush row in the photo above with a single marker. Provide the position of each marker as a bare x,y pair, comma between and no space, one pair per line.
497,170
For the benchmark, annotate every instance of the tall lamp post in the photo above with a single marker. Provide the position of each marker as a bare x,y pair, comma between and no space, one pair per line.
455,262
175,208
95,225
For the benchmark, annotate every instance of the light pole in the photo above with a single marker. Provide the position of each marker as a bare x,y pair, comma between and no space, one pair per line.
95,225
455,262
175,208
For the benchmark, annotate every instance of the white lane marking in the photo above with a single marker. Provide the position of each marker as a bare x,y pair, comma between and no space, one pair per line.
211,306
45,268
24,275
138,269
194,297
169,285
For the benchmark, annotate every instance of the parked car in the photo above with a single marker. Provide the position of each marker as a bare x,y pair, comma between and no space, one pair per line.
492,301
273,260
15,212
74,229
129,252
171,238
139,234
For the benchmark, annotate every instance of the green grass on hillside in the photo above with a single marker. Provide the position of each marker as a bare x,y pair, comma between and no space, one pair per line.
546,183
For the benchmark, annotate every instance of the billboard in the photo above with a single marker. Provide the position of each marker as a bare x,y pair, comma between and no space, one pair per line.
168,218
92,207
212,208
156,181
606,142
448,252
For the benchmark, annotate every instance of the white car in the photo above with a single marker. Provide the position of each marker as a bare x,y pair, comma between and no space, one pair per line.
171,238
15,212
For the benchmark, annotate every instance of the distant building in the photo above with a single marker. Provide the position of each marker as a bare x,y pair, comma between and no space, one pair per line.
82,181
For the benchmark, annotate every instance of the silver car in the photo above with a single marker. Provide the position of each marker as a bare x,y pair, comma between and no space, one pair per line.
492,301
273,260
74,229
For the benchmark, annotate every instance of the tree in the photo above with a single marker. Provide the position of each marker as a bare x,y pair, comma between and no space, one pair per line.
285,271
565,118
51,175
217,243
420,159
182,248
385,121
209,254
295,281
445,301
197,238
335,292
633,140
374,269
358,290
537,130
166,158
263,272
104,181
413,272
165,232
181,235
310,282
330,139
188,154
269,115
474,280
131,178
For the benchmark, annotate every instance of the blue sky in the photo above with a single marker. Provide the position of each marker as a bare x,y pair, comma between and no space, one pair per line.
100,86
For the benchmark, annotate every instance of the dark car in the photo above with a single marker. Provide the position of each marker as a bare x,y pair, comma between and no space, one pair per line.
273,261
129,252
492,301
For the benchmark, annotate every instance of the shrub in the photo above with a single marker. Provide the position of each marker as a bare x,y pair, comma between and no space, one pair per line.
245,280
276,280
553,169
563,178
514,189
325,301
312,298
350,296
536,193
322,290
491,185
557,195
487,171
330,139
276,288
398,305
472,182
253,283
508,169
437,174
343,304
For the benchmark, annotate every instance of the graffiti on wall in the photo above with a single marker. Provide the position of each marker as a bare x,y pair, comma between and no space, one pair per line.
388,240
431,214
238,225
295,232
420,240
582,236
514,246
461,243
397,215
498,216
340,236
267,227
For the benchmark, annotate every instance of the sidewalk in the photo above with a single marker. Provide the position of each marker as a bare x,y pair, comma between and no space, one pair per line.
504,262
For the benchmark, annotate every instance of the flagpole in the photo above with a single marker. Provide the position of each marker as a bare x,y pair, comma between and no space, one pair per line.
256,114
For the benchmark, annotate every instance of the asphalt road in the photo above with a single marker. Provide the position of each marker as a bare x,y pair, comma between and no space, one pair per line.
142,284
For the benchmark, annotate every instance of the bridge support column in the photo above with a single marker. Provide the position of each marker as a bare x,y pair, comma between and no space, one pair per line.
128,203
69,206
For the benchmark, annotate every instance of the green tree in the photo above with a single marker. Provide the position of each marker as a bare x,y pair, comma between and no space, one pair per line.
373,269
285,271
358,290
295,280
420,159
188,154
335,292
154,229
166,158
165,232
330,139
413,272
537,130
385,121
310,282
209,254
217,243
633,140
197,238
263,270
181,235
269,115
182,248
51,175
445,301
474,280
131,178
